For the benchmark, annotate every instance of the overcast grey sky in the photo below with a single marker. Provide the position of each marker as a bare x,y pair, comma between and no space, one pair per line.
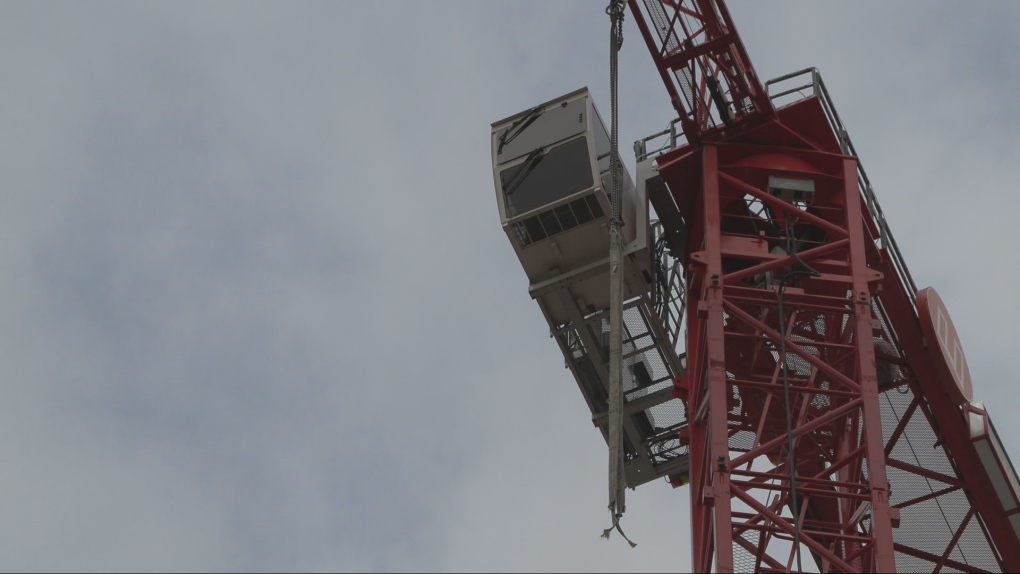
258,312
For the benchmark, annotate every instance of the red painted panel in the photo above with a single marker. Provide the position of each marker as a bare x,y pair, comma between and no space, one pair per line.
944,346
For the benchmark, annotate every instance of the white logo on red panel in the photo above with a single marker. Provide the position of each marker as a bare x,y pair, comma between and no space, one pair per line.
948,359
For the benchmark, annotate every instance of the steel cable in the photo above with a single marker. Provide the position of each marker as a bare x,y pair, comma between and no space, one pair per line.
615,11
617,477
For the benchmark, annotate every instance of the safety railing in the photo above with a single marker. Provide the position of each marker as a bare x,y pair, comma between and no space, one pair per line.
812,85
885,239
673,138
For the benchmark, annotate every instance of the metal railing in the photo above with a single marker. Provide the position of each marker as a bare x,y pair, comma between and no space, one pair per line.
817,88
885,238
675,138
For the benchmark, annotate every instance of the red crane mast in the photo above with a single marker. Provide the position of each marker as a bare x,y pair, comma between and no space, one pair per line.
819,412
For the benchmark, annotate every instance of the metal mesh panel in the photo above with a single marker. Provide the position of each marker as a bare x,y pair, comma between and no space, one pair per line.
822,402
930,525
661,21
665,26
974,543
668,415
741,441
648,370
743,561
644,366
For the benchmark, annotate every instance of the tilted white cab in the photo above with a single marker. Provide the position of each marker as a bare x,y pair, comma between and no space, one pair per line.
551,174
551,171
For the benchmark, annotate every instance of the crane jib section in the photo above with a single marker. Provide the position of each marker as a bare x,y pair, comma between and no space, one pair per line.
704,65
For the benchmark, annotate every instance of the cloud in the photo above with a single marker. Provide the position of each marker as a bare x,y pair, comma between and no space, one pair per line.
259,311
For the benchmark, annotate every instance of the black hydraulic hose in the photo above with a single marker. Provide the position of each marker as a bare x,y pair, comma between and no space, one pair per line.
513,131
525,169
791,249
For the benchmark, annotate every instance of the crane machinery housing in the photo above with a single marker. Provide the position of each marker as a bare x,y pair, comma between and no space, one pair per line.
778,357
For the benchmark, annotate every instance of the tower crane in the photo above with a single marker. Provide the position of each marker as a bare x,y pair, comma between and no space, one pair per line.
778,358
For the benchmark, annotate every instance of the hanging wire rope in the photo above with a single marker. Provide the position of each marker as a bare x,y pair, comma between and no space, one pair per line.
617,478
616,13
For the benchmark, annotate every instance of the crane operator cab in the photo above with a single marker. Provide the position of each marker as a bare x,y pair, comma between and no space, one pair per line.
551,168
551,173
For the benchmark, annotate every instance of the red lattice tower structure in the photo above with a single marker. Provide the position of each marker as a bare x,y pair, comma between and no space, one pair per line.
803,316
